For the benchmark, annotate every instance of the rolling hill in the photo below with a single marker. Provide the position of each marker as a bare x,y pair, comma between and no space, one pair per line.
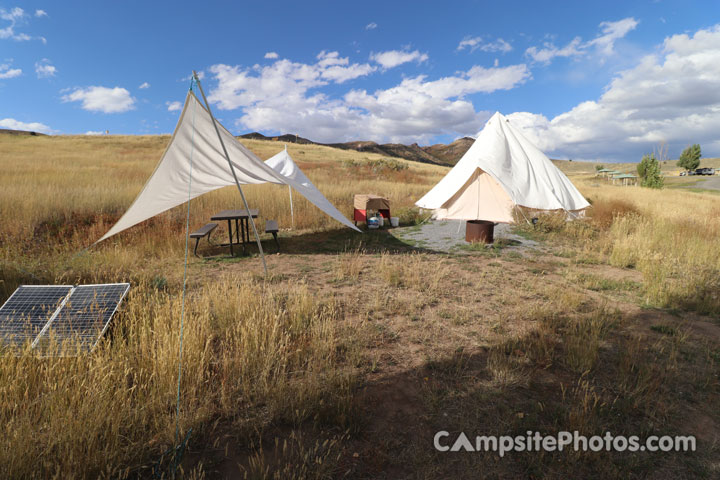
439,154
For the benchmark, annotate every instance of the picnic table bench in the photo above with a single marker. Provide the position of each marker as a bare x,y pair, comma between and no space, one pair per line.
271,226
203,231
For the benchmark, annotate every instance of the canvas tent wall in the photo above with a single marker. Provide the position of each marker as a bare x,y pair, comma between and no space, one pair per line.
193,164
501,170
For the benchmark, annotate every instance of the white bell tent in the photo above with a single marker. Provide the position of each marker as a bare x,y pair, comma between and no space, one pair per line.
501,170
197,161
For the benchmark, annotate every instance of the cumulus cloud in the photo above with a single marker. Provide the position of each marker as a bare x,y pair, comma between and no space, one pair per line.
672,96
7,72
174,106
393,58
477,43
271,55
371,26
339,70
102,99
44,69
284,97
40,13
603,44
144,85
13,124
242,87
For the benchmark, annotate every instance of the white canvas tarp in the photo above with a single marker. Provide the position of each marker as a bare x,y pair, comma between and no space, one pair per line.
501,170
196,141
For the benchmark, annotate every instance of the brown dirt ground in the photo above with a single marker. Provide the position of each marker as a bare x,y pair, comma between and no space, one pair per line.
479,301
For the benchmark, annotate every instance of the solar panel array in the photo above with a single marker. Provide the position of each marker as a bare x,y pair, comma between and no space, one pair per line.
28,310
75,317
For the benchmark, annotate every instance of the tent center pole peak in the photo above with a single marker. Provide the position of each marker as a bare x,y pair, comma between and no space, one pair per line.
232,169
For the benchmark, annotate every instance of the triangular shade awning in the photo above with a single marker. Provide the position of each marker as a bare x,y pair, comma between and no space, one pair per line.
501,170
194,164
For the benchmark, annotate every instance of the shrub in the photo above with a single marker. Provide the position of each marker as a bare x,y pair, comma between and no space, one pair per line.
649,171
603,212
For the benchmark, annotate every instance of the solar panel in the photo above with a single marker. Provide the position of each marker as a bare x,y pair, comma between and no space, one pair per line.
86,314
28,310
68,315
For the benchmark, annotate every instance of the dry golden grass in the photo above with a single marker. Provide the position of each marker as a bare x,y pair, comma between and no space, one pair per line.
356,349
246,345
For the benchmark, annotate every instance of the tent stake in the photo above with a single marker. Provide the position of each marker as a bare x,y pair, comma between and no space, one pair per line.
232,169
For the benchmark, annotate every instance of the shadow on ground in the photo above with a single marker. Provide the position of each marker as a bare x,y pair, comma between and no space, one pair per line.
519,385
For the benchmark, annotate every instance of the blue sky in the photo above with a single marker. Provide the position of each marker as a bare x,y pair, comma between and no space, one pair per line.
585,80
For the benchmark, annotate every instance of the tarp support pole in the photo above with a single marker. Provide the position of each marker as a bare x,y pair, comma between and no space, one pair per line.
232,169
292,213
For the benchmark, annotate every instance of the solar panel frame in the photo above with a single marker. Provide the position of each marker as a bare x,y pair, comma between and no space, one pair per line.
36,314
74,319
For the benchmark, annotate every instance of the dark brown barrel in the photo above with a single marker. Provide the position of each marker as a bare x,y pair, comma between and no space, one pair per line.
479,231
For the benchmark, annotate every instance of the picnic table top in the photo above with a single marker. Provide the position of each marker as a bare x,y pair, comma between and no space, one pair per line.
234,214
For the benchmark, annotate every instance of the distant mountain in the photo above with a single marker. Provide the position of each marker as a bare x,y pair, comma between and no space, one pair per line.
439,154
450,154
287,138
7,131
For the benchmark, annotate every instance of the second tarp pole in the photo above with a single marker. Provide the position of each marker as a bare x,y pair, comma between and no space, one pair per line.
292,213
232,169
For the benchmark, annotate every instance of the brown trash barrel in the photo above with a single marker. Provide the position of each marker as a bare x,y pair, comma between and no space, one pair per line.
479,231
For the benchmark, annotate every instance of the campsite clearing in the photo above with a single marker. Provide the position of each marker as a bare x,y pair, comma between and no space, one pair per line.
358,348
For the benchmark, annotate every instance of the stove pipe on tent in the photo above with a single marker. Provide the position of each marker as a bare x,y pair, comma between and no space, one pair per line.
501,170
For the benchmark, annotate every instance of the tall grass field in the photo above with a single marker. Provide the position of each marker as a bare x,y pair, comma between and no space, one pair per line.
355,349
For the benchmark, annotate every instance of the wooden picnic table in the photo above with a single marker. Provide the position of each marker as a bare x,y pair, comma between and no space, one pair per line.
241,216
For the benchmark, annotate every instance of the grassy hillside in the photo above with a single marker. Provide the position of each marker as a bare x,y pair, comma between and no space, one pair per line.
357,348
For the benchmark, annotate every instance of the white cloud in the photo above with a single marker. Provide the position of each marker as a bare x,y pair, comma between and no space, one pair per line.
14,17
393,58
241,87
13,124
174,106
144,85
477,43
283,98
40,13
371,26
102,99
611,32
550,51
271,55
7,72
672,96
94,132
43,69
603,44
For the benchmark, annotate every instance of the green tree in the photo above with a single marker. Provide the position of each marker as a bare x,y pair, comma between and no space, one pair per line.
690,157
649,172
599,167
